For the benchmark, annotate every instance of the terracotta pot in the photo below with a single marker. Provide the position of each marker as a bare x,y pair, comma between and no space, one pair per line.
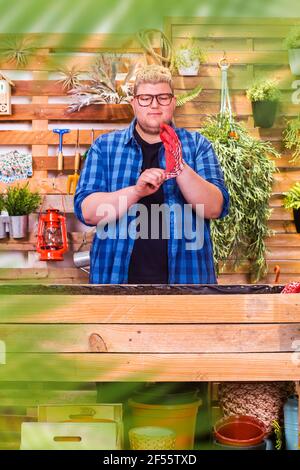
240,431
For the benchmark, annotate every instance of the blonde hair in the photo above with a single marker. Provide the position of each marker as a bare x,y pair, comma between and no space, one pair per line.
153,74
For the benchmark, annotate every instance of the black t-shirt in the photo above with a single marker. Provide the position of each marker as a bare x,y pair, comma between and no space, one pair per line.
149,258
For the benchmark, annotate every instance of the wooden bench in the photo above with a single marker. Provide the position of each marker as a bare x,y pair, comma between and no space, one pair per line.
92,334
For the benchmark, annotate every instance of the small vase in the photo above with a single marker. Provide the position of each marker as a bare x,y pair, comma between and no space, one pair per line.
297,219
18,226
294,61
264,113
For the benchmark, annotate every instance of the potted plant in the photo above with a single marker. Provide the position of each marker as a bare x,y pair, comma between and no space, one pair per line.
292,43
291,138
19,203
188,57
292,201
264,96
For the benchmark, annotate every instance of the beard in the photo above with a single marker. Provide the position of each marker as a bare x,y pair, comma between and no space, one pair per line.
152,130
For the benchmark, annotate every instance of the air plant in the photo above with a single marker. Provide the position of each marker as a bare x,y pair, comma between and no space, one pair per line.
104,87
18,50
70,77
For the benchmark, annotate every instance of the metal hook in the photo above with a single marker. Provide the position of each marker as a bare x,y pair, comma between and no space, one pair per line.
223,62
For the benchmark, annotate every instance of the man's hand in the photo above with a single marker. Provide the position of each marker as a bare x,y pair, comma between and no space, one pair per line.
173,151
149,181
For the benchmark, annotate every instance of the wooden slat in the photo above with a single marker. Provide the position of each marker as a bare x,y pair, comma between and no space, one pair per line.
59,112
233,30
36,397
151,367
157,309
78,42
150,338
238,20
44,137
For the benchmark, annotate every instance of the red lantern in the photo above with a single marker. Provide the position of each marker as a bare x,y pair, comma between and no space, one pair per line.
52,240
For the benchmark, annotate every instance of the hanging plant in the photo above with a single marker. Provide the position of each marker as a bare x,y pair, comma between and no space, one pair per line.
291,138
248,174
18,50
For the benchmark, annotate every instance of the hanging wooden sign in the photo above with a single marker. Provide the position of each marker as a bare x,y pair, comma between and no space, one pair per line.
5,94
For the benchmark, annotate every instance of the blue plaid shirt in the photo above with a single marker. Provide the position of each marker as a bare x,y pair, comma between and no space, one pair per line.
114,162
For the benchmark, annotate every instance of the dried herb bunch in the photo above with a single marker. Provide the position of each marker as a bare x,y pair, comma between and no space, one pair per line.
248,173
104,87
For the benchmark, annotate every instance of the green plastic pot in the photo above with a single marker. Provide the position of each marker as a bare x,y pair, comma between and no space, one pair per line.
264,113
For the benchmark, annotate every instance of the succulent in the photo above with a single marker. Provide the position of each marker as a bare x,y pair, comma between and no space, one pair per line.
292,41
187,53
264,90
292,197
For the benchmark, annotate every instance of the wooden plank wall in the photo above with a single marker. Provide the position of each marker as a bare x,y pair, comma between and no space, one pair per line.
54,52
254,49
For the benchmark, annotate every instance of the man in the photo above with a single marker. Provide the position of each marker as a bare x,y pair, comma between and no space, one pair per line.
151,163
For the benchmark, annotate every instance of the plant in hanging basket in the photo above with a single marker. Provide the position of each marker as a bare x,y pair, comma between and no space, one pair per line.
291,138
264,96
292,201
248,173
188,57
292,43
104,87
19,203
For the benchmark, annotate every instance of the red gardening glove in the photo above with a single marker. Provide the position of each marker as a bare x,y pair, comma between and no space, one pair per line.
291,288
173,150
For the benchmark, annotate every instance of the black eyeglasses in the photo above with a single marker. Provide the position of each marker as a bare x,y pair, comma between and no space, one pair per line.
164,99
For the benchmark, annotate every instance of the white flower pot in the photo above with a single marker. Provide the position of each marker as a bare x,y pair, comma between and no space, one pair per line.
4,220
294,60
192,67
18,226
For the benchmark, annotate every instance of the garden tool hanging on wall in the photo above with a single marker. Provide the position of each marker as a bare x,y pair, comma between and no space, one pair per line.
60,157
73,179
225,109
93,140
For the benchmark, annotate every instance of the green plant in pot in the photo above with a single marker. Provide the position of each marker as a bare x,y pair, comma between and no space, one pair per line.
248,173
264,96
292,43
292,201
188,57
291,138
19,203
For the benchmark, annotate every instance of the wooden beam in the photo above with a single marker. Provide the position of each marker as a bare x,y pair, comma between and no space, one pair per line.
247,308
